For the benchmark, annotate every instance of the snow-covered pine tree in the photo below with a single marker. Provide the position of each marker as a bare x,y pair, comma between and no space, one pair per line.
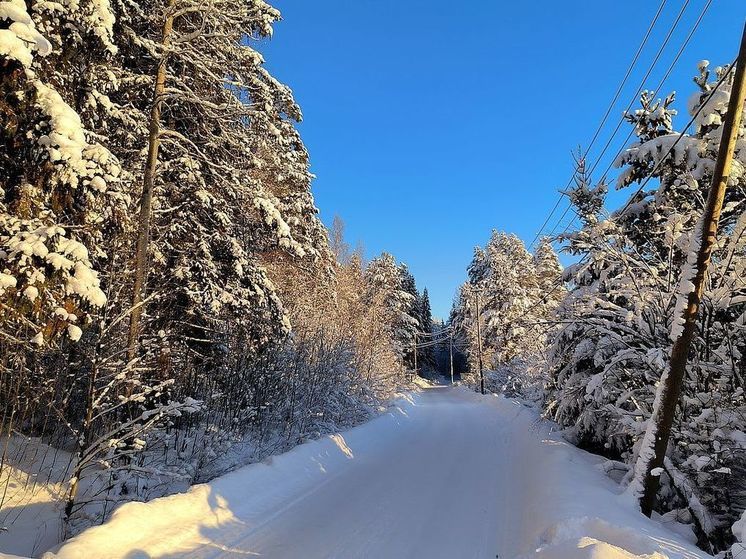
592,320
59,188
230,190
514,304
222,117
363,315
460,324
409,286
427,354
506,294
548,276
426,312
394,286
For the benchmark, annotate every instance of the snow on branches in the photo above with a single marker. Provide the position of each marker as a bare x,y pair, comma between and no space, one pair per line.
516,295
58,190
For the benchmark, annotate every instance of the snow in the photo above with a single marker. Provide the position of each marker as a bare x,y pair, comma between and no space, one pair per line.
102,21
444,473
6,281
273,218
85,283
70,255
739,531
65,141
739,528
686,285
31,293
32,476
13,47
21,38
74,332
14,11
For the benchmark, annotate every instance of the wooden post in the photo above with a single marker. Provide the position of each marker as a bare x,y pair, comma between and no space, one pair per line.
450,350
415,353
663,413
479,346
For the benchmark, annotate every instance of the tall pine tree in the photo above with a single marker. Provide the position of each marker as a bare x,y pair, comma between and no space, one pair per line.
427,353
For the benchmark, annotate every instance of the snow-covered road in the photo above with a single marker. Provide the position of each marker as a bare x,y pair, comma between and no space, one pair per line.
446,473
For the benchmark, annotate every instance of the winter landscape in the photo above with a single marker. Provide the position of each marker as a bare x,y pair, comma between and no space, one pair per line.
500,315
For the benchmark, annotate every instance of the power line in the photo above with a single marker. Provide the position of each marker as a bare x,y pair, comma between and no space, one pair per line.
432,334
658,88
645,78
660,84
430,344
608,110
567,210
634,98
629,71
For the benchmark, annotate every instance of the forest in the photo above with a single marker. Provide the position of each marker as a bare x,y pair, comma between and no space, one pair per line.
168,291
172,307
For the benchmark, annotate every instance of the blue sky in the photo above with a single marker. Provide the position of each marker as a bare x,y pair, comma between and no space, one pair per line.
429,123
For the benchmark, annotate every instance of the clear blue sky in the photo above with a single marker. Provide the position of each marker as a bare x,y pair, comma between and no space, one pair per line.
430,123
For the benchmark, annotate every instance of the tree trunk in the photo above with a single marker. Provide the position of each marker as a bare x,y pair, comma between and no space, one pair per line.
146,202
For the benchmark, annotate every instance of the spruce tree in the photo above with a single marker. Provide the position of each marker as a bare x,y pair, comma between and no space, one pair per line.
393,284
517,295
427,354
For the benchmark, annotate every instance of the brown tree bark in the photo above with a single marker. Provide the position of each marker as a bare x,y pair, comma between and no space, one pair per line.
146,201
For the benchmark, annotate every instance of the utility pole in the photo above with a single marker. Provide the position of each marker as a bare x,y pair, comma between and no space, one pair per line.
415,353
479,344
450,350
662,418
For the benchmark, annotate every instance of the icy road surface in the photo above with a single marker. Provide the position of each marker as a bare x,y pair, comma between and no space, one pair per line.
444,474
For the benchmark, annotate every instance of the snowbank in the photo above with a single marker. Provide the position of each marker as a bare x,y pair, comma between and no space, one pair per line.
567,508
32,488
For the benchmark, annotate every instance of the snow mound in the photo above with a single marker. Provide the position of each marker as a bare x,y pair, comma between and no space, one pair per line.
589,548
595,538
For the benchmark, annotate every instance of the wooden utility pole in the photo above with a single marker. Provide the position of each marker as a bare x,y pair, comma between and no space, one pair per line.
415,353
146,202
663,413
479,344
450,350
